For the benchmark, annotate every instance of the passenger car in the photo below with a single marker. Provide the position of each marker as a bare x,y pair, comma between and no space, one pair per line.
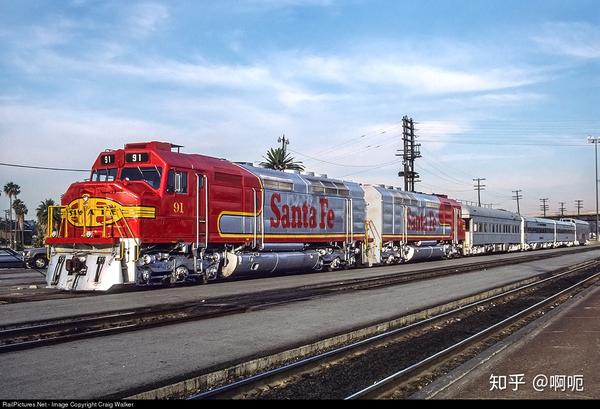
11,258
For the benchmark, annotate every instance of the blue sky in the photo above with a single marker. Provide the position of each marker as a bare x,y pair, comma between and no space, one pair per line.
503,90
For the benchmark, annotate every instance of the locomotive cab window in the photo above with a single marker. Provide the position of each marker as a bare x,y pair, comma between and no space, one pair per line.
177,182
104,175
150,175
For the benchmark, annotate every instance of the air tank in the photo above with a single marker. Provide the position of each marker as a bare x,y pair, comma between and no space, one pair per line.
424,253
270,263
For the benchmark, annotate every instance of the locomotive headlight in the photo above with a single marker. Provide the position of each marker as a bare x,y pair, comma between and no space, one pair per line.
88,234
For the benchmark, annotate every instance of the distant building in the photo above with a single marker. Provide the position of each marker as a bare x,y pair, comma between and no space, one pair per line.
29,231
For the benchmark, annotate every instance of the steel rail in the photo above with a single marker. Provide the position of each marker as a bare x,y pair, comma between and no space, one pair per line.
71,329
39,333
437,271
232,387
467,341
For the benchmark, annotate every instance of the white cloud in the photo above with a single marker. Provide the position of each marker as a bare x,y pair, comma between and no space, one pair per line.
262,5
574,39
438,133
418,78
508,98
192,74
147,17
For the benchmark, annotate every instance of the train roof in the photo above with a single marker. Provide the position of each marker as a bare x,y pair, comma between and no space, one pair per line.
164,151
576,221
541,220
470,211
408,197
304,182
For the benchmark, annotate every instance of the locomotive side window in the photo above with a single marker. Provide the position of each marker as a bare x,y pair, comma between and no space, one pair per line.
149,175
177,182
104,175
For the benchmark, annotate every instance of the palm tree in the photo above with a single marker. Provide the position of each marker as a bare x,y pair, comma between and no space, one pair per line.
42,220
12,190
279,159
20,212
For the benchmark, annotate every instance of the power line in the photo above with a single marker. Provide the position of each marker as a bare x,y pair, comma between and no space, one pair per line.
373,168
354,140
440,171
503,144
445,164
14,165
333,163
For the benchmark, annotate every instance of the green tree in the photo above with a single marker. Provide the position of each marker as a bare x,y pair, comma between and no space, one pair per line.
42,220
20,212
12,190
279,159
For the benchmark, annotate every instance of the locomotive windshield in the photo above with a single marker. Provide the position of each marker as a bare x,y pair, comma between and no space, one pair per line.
104,175
150,175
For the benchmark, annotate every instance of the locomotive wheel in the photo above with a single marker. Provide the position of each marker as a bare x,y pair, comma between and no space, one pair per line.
334,265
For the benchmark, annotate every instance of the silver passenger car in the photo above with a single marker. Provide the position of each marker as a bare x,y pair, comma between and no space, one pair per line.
491,230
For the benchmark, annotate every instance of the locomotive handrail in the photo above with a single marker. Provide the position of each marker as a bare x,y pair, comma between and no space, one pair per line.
262,218
197,212
206,210
405,225
50,224
254,240
127,226
351,220
347,217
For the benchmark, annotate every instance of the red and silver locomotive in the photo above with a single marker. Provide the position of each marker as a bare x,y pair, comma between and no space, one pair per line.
151,214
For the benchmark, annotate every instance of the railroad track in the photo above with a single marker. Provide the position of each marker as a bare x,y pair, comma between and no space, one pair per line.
35,334
42,294
310,370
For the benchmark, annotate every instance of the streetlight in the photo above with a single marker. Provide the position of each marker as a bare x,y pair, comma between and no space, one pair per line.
594,140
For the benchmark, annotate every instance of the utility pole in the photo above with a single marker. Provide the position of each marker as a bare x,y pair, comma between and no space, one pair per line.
578,205
562,208
595,140
409,153
516,197
479,187
284,142
544,205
